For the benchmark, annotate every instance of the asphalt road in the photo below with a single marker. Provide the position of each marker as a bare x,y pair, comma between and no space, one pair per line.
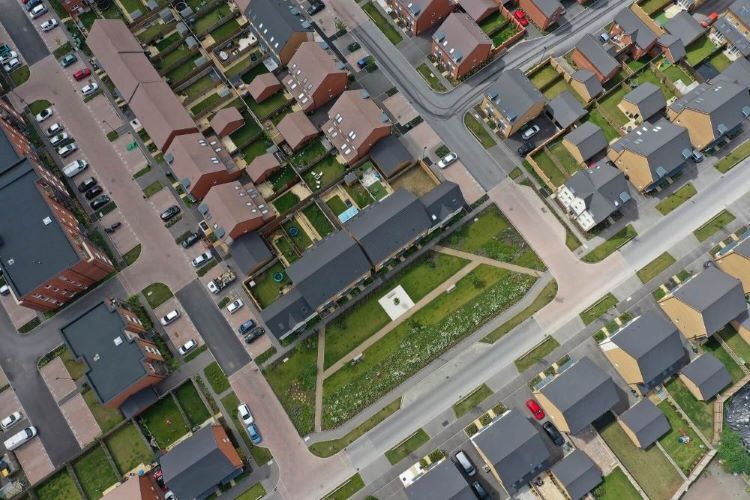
15,19
220,338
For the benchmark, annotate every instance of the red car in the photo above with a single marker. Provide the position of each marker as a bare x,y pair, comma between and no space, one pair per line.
520,16
535,409
81,74
712,17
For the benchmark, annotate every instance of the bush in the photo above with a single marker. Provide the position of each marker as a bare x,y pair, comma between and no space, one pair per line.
471,429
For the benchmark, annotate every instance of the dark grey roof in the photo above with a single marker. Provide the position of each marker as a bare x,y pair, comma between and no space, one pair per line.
588,138
717,296
388,225
655,344
733,35
595,53
280,18
286,313
9,158
646,421
327,268
565,109
582,393
743,248
390,155
442,481
196,465
515,448
665,145
139,402
648,98
741,10
589,80
674,45
631,25
442,201
685,27
250,252
112,368
513,94
708,374
603,188
726,103
738,72
577,473
548,7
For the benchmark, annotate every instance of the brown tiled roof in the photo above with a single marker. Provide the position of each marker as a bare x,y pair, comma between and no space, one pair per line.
193,157
161,112
232,203
226,117
352,119
263,84
296,128
461,33
478,9
262,166
308,67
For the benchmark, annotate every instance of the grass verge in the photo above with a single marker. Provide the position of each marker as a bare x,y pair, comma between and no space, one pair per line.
546,296
655,267
156,294
407,447
598,308
714,225
676,199
477,129
610,246
471,401
538,353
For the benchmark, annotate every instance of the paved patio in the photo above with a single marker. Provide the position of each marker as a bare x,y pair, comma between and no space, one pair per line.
80,419
34,460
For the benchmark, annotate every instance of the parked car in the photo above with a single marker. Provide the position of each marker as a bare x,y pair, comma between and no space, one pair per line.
67,150
191,240
243,411
170,317
75,167
479,490
94,192
530,132
246,327
553,433
712,17
89,89
4,290
11,65
353,46
447,160
53,129
169,213
520,16
38,11
30,4
465,462
49,25
10,420
68,59
697,156
99,202
252,431
255,334
534,408
20,438
186,347
81,74
315,7
525,148
202,259
44,114
59,138
604,37
7,56
87,184
235,306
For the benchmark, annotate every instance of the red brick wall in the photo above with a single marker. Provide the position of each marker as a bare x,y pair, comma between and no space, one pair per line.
537,16
143,383
246,227
200,189
332,86
582,62
476,58
74,6
435,13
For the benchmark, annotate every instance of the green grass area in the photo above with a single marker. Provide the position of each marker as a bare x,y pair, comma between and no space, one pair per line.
200,87
75,368
309,154
152,189
133,5
269,106
318,220
476,127
563,157
637,64
714,347
216,378
301,239
675,73
596,117
741,348
132,255
156,294
203,24
171,58
472,400
653,6
167,41
325,172
266,290
360,195
650,76
655,267
182,71
598,309
546,296
429,73
733,158
538,353
94,472
407,447
616,486
367,317
20,75
377,190
225,31
699,50
128,448
347,489
61,485
37,106
164,421
509,30
544,76
253,150
492,23
491,235
719,61
685,455
612,244
256,70
676,199
206,104
611,111
192,404
550,169
390,32
557,88
699,412
254,492
286,202
336,204
260,455
714,225
107,418
247,134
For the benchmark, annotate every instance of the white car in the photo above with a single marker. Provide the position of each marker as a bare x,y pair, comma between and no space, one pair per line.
49,25
67,150
243,411
235,306
4,290
11,65
170,317
44,114
7,57
10,420
59,138
75,167
38,11
213,288
53,129
202,259
447,160
186,347
89,89
530,132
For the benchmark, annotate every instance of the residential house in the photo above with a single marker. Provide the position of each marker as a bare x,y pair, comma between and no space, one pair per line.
512,101
689,5
592,195
704,303
585,141
460,46
685,27
644,423
391,156
646,351
565,110
643,102
315,76
198,465
576,474
725,31
75,7
262,167
120,363
672,48
632,31
287,314
297,130
513,449
651,153
443,203
226,121
478,10
543,13
232,210
705,376
250,253
711,112
591,55
586,84
734,259
279,26
355,124
264,86
417,16
136,488
737,72
440,481
578,396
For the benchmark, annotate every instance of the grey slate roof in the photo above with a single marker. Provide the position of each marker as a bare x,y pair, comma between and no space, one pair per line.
738,72
442,481
648,98
655,344
726,103
548,7
442,201
708,374
582,393
588,138
589,80
717,296
593,51
685,27
674,45
513,94
196,465
603,188
577,473
386,226
646,421
733,35
390,155
286,312
250,252
327,268
8,155
642,36
515,448
741,10
565,109
280,17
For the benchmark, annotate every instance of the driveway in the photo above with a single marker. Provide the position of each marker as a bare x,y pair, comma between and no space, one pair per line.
24,34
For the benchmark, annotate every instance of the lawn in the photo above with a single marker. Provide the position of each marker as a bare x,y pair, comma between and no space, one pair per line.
390,32
152,189
491,235
407,447
260,454
650,76
269,106
557,88
714,225
596,117
210,18
347,489
128,449
699,50
309,154
598,308
655,267
616,486
611,111
225,31
256,70
336,204
429,75
325,172
206,104
714,347
75,368
538,353
192,404
563,157
733,158
377,190
610,246
546,296
107,418
37,106
200,87
182,71
286,202
216,378
471,401
286,248
247,134
476,127
318,220
94,472
550,169
699,412
741,348
156,294
20,75
675,73
719,61
253,150
676,199
133,5
255,492
505,34
653,6
545,76
492,23
301,240
361,196
686,455
173,57
61,485
165,423
266,290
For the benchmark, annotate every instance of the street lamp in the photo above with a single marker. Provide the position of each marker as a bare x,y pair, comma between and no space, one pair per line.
110,126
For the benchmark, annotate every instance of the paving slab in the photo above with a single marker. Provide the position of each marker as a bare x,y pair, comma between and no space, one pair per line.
58,380
9,402
469,186
34,460
18,314
181,330
81,420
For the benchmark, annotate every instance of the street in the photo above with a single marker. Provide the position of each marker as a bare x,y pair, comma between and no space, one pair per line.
19,26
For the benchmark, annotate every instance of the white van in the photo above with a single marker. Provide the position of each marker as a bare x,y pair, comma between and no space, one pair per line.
465,463
20,438
75,167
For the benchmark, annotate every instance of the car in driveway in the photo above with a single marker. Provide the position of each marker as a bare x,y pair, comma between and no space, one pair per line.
89,89
315,7
202,259
67,150
553,433
49,25
243,411
530,132
99,202
535,409
11,54
59,138
44,114
93,192
81,74
170,317
38,11
68,59
520,16
447,160
75,167
525,148
255,334
87,184
11,65
191,240
10,420
53,129
235,306
186,347
169,213
252,431
246,327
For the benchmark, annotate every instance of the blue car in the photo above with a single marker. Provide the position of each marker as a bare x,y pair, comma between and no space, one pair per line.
252,430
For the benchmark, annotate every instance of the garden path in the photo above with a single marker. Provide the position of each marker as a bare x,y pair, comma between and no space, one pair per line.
486,260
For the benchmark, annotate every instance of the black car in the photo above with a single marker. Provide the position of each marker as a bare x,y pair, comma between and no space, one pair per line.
169,213
553,433
254,334
191,240
525,148
315,7
246,327
479,490
87,184
94,191
353,46
99,202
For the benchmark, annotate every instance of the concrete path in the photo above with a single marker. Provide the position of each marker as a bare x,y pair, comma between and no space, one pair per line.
486,260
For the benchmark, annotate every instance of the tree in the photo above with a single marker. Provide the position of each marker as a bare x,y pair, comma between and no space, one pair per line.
732,452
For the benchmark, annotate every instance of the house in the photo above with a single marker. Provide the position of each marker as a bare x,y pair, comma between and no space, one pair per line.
199,464
355,124
75,7
226,121
512,101
441,481
513,449
417,16
391,156
565,110
704,303
586,84
578,396
585,141
232,210
315,76
478,10
460,46
250,253
264,86
120,362
136,488
591,55
685,27
592,195
672,48
279,26
651,153
443,203
576,474
262,167
734,259
737,72
297,130
388,227
689,5
705,376
742,324
646,351
711,112
287,314
644,423
543,13
198,164
643,102
724,31
633,32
